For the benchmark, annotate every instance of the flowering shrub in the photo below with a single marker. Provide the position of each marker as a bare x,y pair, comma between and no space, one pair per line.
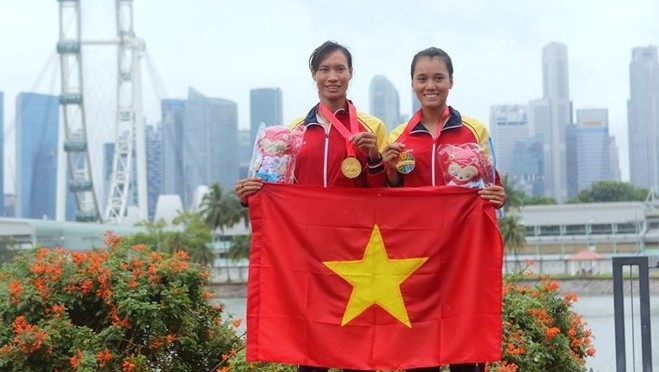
541,332
115,309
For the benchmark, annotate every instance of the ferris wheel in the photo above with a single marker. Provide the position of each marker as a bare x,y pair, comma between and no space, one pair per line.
75,174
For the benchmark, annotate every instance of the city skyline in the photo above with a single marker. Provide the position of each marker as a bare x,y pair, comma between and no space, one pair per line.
496,63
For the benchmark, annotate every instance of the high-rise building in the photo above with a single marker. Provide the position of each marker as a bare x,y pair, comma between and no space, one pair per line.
265,106
643,118
384,103
36,157
528,168
2,155
550,116
245,153
172,119
154,167
200,145
509,124
593,148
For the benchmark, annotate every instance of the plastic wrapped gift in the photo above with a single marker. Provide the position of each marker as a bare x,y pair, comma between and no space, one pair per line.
465,165
275,151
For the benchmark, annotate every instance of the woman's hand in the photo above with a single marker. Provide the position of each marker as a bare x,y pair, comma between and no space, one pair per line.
368,143
495,194
247,187
390,155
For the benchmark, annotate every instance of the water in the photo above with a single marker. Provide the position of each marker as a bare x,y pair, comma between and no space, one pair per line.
597,312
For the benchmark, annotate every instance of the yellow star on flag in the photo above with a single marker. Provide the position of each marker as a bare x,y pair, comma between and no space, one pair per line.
376,280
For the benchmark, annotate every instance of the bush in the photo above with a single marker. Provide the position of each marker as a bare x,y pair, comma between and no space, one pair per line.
541,332
115,309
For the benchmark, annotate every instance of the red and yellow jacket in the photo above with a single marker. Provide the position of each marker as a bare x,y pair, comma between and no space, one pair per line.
318,162
457,130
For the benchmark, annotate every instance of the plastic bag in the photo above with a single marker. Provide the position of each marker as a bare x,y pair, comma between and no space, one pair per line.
466,165
275,151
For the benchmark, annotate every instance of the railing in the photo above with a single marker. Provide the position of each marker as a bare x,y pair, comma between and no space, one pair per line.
643,265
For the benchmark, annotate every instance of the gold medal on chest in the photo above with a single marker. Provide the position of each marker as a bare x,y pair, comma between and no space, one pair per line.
350,167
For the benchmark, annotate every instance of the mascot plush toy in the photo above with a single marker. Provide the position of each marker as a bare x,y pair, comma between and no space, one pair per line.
463,165
275,151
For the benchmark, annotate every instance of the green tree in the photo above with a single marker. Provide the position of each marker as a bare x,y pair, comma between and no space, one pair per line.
610,191
239,248
221,210
539,200
188,232
514,196
192,235
512,231
7,249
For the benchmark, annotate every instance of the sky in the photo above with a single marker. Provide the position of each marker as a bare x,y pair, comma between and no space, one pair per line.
225,48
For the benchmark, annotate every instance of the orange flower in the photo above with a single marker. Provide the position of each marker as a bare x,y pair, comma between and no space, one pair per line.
15,289
103,357
74,360
112,240
550,333
127,366
171,338
58,310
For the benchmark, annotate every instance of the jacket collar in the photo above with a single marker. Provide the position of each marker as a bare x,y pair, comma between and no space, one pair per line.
454,121
312,116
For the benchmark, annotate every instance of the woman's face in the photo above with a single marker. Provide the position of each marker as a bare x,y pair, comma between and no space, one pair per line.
431,82
333,76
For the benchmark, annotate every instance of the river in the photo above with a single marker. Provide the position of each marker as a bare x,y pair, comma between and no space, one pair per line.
597,312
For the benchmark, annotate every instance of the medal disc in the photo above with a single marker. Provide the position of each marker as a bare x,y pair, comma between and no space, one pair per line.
350,167
405,163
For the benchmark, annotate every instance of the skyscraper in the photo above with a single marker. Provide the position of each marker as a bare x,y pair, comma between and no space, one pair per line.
265,106
593,148
172,119
199,144
384,103
550,116
643,118
36,157
509,124
154,167
2,154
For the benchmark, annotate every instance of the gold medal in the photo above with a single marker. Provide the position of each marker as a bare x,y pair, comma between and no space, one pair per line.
405,163
350,167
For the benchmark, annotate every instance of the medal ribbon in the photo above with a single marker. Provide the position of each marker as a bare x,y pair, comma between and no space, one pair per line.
338,125
416,119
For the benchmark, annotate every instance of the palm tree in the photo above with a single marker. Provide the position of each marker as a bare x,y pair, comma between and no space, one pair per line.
514,197
512,230
221,210
513,233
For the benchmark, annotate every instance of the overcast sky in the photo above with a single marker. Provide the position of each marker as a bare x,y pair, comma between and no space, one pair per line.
223,49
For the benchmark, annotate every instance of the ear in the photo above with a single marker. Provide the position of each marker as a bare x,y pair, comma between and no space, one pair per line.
451,85
313,76
350,72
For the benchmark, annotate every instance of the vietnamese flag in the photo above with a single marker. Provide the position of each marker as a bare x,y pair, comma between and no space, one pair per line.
373,278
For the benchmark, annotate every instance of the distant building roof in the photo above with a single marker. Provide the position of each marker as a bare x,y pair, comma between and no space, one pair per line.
586,213
69,235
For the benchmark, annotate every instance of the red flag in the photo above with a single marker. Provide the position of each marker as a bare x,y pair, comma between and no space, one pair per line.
373,278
